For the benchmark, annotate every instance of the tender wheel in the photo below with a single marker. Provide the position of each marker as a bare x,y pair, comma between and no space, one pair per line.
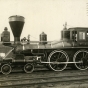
82,57
59,59
6,69
28,68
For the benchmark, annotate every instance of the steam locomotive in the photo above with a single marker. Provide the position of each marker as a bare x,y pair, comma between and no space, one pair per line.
72,49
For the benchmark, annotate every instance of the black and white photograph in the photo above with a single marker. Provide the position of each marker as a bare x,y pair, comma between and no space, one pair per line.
43,43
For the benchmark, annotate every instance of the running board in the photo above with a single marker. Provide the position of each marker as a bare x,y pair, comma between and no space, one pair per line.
60,62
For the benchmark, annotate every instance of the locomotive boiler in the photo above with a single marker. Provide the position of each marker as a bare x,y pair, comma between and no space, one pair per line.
71,50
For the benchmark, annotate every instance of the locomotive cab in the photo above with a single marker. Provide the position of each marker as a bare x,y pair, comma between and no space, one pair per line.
79,35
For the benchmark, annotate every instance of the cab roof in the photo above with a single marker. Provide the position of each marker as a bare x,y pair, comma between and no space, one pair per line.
78,29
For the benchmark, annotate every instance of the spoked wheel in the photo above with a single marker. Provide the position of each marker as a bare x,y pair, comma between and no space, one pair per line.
58,60
81,56
28,68
6,69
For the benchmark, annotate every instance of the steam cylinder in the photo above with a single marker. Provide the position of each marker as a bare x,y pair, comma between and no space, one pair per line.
16,24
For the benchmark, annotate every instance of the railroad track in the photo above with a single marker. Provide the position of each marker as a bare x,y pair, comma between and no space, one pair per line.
18,82
43,74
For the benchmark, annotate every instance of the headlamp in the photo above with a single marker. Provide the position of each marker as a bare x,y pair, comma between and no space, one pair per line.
2,54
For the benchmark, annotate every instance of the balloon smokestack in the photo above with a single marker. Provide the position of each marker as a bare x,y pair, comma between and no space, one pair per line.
16,24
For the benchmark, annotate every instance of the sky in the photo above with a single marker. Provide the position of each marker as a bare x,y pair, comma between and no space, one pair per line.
47,16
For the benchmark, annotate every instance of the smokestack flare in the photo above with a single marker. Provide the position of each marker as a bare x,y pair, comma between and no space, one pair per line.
16,24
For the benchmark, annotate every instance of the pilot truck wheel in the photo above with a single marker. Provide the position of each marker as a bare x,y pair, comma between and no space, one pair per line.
6,69
29,68
58,60
81,56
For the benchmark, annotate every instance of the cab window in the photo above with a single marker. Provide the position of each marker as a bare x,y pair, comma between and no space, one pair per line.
82,36
74,35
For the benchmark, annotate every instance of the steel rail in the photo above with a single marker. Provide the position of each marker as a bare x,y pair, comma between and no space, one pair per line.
42,80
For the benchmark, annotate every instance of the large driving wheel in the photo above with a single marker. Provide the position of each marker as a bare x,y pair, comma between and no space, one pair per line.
6,69
58,60
28,68
81,56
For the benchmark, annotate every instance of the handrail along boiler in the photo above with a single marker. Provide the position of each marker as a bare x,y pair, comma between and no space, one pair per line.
71,50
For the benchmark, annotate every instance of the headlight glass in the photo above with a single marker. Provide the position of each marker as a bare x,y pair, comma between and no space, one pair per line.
2,54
